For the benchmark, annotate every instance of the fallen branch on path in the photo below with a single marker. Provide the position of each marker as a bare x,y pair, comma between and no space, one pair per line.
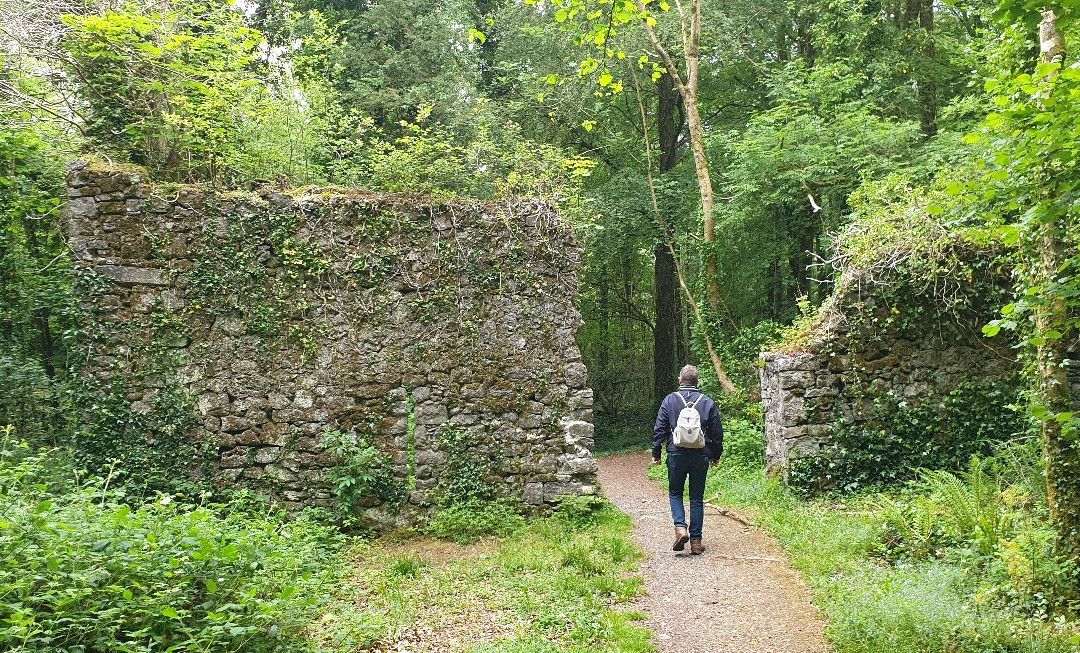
724,556
724,512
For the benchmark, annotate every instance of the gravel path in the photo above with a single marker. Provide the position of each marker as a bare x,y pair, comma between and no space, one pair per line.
740,596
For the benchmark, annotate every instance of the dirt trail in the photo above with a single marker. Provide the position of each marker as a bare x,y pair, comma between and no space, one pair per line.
740,596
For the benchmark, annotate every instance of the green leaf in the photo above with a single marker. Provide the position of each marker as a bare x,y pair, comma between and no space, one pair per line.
211,586
170,612
605,79
991,330
973,138
128,595
560,16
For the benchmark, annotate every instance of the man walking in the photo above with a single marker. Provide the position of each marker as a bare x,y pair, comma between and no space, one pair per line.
688,424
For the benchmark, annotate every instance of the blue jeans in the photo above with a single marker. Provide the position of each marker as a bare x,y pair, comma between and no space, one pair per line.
695,464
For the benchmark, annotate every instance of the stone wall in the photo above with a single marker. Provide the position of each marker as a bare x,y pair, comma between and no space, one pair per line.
277,315
863,349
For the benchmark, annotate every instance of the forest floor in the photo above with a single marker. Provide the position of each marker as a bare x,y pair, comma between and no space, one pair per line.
740,596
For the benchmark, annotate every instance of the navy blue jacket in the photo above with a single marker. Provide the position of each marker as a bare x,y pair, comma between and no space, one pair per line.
668,417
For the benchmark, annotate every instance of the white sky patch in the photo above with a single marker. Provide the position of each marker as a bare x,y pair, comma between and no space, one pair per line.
249,7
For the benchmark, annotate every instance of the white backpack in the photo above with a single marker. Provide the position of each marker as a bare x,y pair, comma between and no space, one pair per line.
687,432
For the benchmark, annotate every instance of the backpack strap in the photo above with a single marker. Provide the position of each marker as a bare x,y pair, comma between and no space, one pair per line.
686,404
694,405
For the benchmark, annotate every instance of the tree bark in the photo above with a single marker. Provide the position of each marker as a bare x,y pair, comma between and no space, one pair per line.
688,87
927,88
718,367
669,124
667,315
1062,450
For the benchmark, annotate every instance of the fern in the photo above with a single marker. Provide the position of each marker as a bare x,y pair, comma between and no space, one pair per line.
972,504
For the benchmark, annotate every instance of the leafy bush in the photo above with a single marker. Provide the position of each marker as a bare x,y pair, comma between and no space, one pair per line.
898,439
987,520
744,443
82,571
467,472
946,597
364,477
468,521
582,512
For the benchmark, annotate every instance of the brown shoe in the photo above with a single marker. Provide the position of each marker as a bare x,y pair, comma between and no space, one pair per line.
696,547
681,536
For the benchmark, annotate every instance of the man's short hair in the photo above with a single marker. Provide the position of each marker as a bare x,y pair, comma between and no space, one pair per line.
688,376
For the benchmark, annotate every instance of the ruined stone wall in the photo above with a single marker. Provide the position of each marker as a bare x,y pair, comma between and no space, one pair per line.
862,350
274,316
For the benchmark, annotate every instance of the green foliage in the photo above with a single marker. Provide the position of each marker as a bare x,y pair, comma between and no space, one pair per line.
579,512
179,91
470,519
744,443
84,571
364,477
38,315
993,518
147,444
491,159
564,582
946,597
405,566
468,473
896,439
469,504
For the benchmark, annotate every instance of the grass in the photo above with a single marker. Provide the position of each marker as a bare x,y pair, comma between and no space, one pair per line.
873,606
558,584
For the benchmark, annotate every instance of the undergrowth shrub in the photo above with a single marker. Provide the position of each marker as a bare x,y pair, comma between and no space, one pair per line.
581,512
470,505
991,520
896,440
364,476
469,520
84,572
744,443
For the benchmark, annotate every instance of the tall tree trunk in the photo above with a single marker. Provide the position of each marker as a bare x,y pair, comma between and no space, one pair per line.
627,267
927,88
1062,449
667,317
688,89
666,294
604,306
718,366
